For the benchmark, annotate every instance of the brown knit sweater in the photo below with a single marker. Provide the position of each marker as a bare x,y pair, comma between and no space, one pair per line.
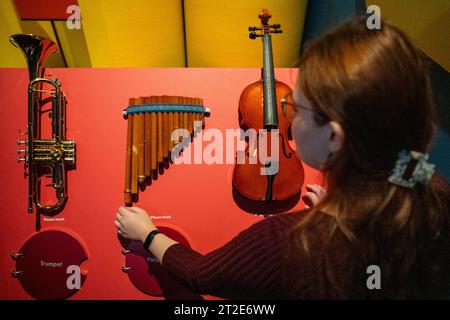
262,263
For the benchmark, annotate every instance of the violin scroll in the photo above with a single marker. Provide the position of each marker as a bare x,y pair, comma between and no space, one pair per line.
265,28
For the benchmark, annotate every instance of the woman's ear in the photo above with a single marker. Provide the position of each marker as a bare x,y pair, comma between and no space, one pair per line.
336,137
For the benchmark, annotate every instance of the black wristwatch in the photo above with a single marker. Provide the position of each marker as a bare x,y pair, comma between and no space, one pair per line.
149,239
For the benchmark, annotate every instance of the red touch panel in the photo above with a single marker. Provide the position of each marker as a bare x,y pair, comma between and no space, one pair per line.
44,9
48,265
148,275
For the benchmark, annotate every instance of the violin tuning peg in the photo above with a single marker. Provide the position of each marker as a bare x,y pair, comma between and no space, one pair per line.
276,26
276,31
254,35
253,29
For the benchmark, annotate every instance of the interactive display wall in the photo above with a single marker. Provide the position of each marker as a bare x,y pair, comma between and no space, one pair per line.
192,202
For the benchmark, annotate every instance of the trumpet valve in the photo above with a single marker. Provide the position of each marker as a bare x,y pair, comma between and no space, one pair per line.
20,159
19,142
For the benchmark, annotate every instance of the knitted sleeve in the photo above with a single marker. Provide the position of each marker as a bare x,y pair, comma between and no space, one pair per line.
247,267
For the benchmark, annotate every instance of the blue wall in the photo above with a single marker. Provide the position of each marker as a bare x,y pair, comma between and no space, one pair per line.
440,151
323,14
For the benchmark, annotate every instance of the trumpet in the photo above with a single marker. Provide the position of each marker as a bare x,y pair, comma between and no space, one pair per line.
50,157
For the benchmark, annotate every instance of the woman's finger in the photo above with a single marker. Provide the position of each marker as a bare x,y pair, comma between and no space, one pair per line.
310,199
311,187
311,195
322,189
318,190
119,217
122,211
117,223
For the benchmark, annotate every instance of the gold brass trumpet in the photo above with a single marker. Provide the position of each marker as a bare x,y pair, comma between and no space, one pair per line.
50,157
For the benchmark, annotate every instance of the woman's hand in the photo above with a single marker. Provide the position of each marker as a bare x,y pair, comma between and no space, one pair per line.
314,195
133,223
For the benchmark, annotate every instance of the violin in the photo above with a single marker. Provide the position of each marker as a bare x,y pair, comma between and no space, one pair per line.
273,185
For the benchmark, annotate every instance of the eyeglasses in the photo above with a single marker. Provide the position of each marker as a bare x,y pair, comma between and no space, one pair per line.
290,108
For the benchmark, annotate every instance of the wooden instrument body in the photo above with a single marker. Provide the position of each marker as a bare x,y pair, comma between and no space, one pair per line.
280,176
247,178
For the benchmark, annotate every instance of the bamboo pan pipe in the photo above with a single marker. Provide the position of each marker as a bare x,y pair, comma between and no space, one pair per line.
150,124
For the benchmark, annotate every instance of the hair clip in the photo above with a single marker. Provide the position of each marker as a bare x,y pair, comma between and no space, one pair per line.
422,172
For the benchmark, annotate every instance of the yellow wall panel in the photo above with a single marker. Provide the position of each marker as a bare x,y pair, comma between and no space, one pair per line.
137,33
10,24
74,45
10,56
426,22
217,32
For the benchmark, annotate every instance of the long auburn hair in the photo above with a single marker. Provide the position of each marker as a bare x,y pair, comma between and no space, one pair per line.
374,83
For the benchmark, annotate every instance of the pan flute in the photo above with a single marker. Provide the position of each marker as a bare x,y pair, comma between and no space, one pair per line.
151,121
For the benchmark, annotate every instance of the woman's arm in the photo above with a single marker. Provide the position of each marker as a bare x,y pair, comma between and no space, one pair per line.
135,224
248,266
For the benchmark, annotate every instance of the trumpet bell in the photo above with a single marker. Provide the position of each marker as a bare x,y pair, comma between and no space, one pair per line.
36,49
